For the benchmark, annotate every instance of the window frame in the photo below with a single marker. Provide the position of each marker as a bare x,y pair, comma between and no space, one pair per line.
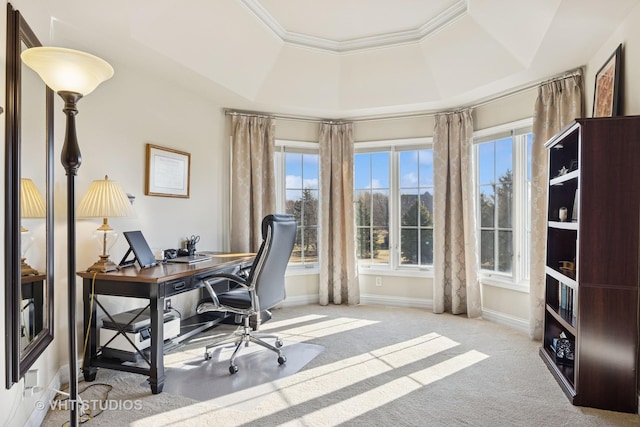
518,279
394,147
283,146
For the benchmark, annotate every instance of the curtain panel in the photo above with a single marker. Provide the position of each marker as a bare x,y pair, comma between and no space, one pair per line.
559,102
253,184
456,287
338,269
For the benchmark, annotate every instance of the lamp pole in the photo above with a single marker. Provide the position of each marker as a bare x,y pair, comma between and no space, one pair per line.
71,160
72,74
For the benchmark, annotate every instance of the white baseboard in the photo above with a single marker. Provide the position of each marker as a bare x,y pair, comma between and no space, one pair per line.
396,301
300,300
512,322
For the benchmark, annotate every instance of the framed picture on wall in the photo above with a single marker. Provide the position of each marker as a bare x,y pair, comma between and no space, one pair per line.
167,172
606,94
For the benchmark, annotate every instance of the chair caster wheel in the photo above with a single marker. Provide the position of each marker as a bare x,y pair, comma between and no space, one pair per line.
207,356
233,369
282,360
279,343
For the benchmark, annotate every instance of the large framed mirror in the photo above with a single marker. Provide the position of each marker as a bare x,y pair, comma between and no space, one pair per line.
28,205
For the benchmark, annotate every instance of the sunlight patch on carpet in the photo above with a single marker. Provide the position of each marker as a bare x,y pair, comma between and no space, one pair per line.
327,379
362,403
328,327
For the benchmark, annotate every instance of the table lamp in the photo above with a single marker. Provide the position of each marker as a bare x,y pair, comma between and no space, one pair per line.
105,199
72,74
31,206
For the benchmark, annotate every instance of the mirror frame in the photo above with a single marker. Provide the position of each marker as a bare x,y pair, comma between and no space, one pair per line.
18,362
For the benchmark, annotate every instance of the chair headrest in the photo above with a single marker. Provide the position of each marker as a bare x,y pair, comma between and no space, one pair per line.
274,218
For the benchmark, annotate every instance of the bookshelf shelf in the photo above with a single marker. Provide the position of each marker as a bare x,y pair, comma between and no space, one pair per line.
564,225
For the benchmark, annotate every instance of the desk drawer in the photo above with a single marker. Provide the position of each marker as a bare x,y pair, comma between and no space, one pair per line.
179,285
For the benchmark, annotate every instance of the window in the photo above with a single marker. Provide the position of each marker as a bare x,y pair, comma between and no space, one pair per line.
503,178
297,194
495,182
393,198
371,179
416,207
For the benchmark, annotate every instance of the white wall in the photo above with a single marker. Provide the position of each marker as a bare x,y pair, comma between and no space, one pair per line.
628,33
134,108
113,125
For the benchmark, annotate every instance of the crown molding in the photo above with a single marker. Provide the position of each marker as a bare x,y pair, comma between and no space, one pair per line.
360,44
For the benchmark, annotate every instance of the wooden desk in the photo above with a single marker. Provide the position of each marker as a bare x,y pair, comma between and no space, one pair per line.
154,284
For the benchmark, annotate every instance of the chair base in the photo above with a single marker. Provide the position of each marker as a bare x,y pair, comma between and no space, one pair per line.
245,337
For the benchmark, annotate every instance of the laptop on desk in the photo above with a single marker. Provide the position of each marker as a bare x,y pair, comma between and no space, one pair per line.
191,259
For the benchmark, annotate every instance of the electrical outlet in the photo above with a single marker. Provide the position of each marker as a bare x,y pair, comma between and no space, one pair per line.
167,304
378,281
31,378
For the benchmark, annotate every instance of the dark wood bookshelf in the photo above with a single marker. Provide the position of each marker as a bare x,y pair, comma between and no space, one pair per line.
594,172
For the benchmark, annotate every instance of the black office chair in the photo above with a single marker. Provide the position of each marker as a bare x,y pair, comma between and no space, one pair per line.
261,290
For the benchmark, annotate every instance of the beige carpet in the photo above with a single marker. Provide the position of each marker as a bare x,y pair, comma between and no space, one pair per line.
380,367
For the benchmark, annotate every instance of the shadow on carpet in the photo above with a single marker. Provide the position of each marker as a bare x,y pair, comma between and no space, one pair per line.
258,374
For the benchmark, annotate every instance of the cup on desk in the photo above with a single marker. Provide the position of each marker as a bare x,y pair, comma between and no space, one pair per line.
191,248
158,254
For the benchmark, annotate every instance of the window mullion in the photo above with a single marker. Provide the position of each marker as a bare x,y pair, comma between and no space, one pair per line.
519,202
394,210
496,209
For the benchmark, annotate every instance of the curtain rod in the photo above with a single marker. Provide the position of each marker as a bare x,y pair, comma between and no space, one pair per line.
262,114
566,75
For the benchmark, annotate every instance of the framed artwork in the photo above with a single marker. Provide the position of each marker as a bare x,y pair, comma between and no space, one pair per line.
167,172
605,97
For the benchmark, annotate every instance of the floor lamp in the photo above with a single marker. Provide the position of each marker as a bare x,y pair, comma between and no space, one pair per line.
72,74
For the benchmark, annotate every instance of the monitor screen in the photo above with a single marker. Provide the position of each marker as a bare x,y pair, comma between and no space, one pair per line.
140,248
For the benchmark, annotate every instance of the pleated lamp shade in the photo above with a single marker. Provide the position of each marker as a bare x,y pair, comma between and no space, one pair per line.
31,206
105,199
31,202
67,69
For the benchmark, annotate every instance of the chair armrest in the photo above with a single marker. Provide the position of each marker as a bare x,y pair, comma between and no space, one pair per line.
214,277
212,293
234,278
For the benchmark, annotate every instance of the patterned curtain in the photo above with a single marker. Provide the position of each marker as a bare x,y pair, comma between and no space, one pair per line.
456,287
338,270
253,182
558,103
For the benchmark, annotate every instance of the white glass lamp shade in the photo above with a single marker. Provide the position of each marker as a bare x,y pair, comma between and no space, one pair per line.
67,69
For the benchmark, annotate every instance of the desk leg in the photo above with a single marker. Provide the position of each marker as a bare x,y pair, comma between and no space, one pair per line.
38,304
89,312
156,374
